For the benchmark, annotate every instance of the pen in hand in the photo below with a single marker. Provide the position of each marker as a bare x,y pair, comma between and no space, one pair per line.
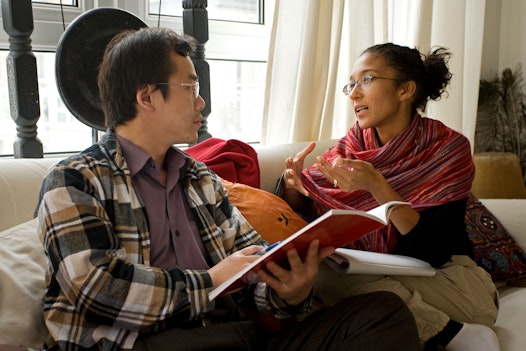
267,249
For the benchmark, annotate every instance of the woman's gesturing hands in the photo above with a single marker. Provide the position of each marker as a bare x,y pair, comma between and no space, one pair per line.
349,175
293,168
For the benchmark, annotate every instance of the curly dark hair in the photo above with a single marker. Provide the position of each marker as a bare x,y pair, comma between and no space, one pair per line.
430,72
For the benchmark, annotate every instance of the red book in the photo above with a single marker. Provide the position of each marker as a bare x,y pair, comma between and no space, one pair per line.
335,228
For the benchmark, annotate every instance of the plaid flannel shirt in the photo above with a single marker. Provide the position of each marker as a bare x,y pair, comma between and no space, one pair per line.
101,291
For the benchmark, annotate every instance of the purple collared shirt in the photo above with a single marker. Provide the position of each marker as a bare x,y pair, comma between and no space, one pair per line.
174,236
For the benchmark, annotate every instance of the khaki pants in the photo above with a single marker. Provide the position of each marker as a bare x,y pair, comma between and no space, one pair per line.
460,291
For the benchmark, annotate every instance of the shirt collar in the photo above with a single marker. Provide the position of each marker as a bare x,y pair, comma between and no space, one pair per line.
137,158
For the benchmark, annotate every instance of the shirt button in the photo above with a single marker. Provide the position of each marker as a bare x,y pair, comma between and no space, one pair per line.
177,233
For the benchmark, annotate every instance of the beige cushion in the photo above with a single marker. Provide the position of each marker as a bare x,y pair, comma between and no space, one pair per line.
498,175
511,213
20,182
22,284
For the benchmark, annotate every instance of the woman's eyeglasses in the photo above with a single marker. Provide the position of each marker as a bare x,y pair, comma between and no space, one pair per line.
363,82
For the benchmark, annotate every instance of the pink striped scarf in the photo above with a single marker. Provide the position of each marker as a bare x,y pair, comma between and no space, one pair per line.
427,164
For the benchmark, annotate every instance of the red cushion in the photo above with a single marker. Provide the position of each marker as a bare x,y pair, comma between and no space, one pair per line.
232,159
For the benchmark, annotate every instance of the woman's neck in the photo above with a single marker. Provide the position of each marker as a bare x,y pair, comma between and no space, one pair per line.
387,132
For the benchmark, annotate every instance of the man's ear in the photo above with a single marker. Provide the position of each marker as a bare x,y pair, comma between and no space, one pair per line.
407,90
143,96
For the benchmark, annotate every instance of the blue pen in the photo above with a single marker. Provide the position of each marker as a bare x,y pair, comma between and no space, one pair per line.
267,249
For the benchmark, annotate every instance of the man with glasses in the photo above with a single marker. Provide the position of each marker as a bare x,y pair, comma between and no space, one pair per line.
137,233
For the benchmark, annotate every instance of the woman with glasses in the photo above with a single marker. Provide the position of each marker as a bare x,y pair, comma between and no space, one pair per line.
394,153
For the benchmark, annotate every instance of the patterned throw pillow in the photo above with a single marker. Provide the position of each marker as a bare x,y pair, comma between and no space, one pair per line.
495,250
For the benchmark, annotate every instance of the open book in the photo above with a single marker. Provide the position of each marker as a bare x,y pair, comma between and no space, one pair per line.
334,228
364,262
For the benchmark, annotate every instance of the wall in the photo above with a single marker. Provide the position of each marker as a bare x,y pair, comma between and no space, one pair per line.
504,36
490,47
512,39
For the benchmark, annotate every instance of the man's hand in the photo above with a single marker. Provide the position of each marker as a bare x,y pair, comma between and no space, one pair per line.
234,263
294,285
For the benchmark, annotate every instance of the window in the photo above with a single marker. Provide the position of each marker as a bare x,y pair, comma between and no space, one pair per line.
57,2
58,130
237,90
237,54
236,51
249,11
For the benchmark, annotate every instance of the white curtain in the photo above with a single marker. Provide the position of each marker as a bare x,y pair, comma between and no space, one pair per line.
314,44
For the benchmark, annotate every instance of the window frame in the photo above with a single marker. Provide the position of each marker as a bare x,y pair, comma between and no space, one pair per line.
250,44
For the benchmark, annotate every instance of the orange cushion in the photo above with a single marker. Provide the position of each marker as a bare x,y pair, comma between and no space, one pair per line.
270,215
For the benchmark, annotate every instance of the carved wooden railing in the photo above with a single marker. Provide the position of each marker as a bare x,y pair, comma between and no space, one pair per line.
22,77
22,70
195,23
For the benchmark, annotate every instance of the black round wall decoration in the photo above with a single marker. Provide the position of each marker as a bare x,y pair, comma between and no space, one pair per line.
79,54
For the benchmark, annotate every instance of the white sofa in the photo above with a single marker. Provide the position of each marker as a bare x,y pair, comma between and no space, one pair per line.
21,252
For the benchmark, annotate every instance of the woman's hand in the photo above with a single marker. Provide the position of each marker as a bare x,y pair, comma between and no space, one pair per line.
349,175
295,284
293,169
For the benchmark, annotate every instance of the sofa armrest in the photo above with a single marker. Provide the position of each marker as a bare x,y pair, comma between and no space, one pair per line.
512,215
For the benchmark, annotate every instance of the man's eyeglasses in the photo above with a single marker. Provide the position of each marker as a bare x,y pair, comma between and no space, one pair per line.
195,86
363,82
